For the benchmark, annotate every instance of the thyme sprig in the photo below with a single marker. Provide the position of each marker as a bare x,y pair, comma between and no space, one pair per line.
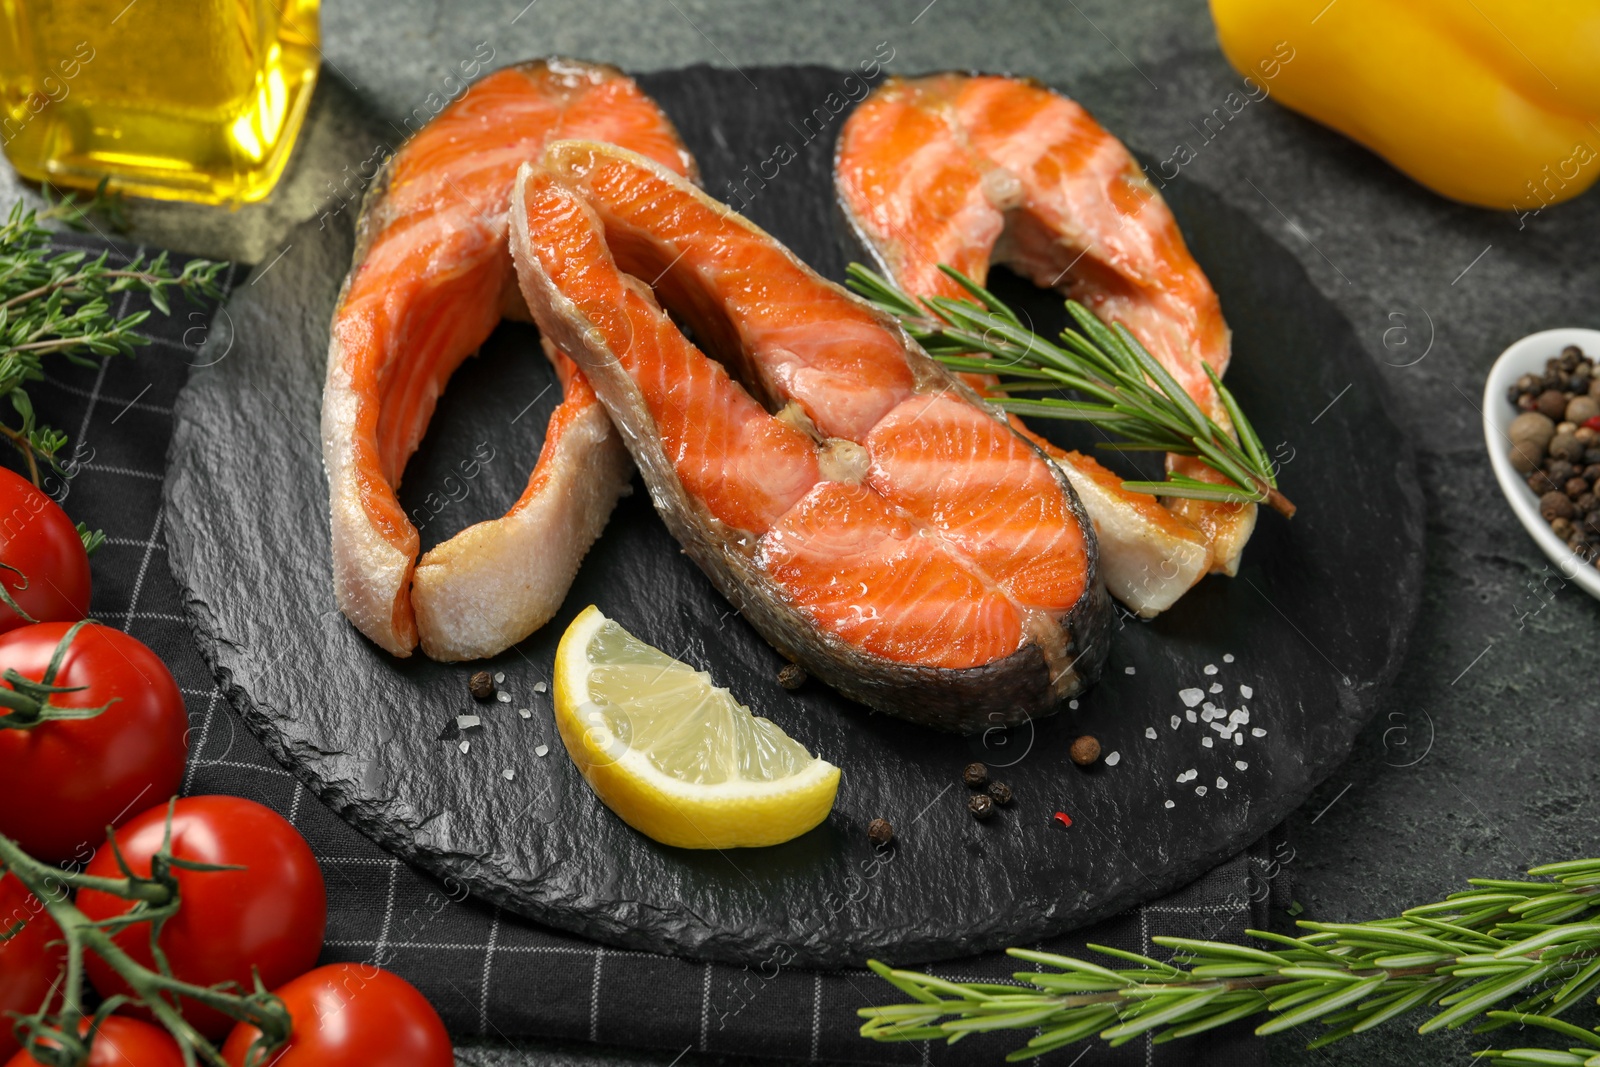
1119,386
1537,941
59,304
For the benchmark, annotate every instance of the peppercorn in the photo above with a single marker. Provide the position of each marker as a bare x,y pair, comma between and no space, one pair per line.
1581,409
1000,793
1524,460
1532,426
1565,446
1570,356
975,775
1540,483
1526,402
980,805
1575,487
1594,388
1586,503
1555,506
792,676
1585,433
879,832
481,685
1560,470
1085,750
1527,383
1562,528
1593,521
1552,403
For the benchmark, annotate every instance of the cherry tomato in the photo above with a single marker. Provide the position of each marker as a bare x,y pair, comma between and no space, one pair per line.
269,916
352,1015
29,963
63,781
122,1043
43,566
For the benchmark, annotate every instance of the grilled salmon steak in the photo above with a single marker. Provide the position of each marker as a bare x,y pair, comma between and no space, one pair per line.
431,277
858,505
975,170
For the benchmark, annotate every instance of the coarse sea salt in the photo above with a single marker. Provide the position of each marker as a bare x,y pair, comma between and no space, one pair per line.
539,687
504,698
1073,704
1128,670
467,722
1191,697
1113,759
1199,790
1206,741
1171,804
1222,783
508,774
500,678
464,745
1191,716
1238,738
1216,687
1150,732
526,713
1246,692
1241,765
1227,657
1258,732
1175,721
1240,715
1210,668
541,750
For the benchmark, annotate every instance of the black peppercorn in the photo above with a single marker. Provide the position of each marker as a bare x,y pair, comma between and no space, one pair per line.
981,806
1560,471
1085,750
1575,487
879,832
975,775
1000,793
1555,506
792,676
481,685
1570,356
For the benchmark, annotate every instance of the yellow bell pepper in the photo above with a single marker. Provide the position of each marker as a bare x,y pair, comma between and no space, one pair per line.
1493,102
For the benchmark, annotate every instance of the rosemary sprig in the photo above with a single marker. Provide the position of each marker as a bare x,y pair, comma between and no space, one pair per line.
58,304
1537,941
1119,385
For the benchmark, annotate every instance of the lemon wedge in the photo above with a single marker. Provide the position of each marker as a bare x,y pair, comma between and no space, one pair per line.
674,755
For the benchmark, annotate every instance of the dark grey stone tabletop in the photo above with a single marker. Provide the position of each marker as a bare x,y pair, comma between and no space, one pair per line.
1483,758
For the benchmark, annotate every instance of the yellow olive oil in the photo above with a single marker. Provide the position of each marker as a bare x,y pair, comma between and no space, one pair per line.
176,99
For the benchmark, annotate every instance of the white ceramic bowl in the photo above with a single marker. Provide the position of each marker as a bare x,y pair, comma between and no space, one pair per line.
1528,356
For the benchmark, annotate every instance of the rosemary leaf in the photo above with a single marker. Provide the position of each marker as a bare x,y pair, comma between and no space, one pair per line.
1123,389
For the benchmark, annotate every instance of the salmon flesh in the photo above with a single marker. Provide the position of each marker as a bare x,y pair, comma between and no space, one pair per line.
431,277
971,170
859,506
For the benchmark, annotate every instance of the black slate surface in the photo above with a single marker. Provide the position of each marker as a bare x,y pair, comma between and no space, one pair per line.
1316,622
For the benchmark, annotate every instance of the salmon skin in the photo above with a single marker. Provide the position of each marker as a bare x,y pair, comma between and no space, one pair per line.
857,504
969,170
431,277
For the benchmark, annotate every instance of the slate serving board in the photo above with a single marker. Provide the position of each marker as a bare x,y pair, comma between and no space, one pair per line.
1315,624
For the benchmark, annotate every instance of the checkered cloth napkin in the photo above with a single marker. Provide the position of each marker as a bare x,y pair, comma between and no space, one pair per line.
490,972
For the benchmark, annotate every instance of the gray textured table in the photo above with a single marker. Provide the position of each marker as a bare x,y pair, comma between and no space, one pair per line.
1484,758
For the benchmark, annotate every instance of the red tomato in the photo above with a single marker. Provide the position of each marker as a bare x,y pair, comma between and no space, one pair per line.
62,782
353,1015
42,562
122,1043
269,916
28,962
